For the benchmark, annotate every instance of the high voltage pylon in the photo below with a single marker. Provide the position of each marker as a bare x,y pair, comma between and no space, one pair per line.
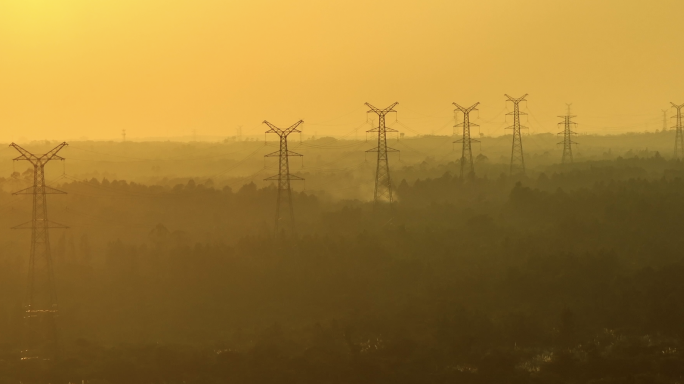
517,157
40,338
284,177
383,181
664,120
467,165
679,135
567,137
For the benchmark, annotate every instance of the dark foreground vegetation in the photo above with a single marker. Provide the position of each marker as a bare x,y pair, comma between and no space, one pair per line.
574,275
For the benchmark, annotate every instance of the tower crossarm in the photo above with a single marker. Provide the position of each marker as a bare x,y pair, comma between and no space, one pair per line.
386,129
387,149
25,155
466,110
469,123
381,111
42,159
519,99
283,132
52,155
277,154
45,189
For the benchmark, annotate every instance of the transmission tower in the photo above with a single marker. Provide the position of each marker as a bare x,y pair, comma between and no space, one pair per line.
679,135
467,165
123,135
517,158
664,120
567,137
383,181
284,177
40,339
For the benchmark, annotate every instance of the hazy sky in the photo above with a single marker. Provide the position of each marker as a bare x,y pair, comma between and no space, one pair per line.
89,68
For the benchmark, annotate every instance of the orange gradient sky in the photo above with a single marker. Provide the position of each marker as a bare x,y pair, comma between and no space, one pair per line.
163,68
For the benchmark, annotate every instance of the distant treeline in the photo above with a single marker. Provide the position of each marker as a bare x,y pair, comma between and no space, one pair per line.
574,275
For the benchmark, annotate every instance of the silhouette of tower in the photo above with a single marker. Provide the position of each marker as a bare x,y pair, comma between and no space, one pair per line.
40,339
284,214
664,120
517,158
567,137
123,135
456,124
383,181
679,136
467,165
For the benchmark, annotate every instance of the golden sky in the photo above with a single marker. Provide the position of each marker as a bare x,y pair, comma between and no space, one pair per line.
163,68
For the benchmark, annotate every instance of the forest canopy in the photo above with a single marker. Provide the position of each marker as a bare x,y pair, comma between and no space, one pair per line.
570,273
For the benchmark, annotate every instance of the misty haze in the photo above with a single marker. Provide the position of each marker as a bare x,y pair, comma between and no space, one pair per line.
341,192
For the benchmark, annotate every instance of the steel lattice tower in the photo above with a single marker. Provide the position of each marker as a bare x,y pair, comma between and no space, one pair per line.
679,135
284,177
567,137
664,120
517,158
383,181
467,165
40,340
